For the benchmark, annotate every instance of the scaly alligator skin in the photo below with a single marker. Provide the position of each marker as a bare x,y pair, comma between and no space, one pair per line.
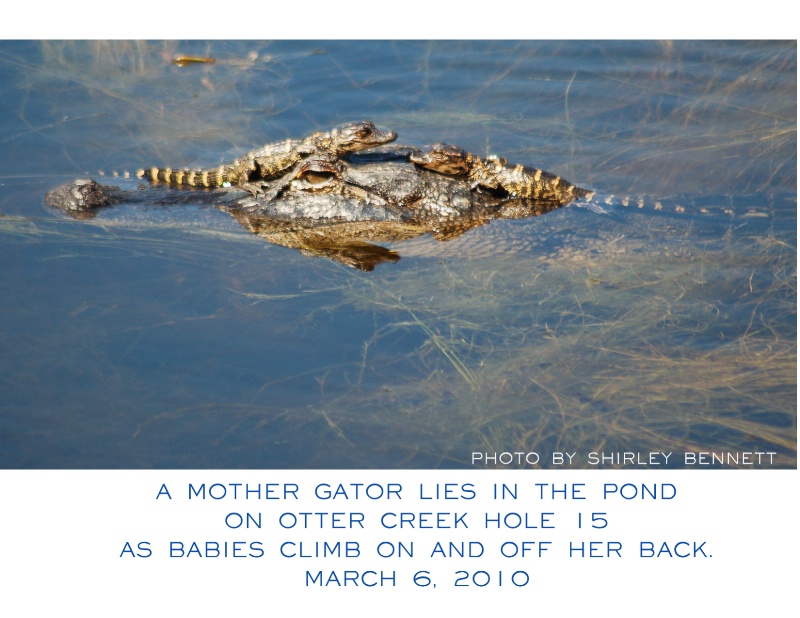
274,160
386,181
334,208
336,197
494,173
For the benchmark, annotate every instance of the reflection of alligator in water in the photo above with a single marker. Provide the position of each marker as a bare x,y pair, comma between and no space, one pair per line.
338,198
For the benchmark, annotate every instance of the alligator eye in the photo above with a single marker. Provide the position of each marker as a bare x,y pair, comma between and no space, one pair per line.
362,133
317,178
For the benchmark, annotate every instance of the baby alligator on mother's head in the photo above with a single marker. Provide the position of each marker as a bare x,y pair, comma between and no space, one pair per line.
274,160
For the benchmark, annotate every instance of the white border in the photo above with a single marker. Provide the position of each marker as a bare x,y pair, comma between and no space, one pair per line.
359,19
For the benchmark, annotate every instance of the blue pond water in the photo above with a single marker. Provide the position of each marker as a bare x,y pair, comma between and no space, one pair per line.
171,337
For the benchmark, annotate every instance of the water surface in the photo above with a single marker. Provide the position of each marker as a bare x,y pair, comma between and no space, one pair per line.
172,338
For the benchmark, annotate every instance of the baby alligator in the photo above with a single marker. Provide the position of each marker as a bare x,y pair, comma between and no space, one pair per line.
275,160
495,174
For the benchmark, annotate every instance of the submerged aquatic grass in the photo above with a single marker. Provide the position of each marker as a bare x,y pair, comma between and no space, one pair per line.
586,350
